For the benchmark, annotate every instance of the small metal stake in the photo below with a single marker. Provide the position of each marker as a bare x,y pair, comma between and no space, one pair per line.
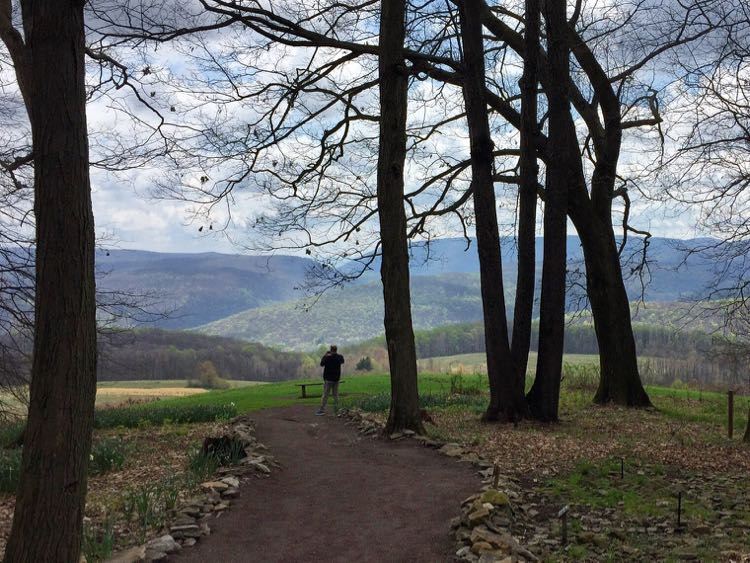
496,476
730,413
679,510
622,468
563,516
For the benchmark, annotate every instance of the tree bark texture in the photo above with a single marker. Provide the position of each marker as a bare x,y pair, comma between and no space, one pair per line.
51,496
526,278
544,396
619,381
506,398
394,269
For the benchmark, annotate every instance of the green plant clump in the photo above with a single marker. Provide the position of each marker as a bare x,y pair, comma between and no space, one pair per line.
201,466
107,455
98,543
156,415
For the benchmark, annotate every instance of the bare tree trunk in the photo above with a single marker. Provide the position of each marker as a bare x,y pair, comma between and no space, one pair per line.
526,280
506,399
52,491
544,396
619,382
394,269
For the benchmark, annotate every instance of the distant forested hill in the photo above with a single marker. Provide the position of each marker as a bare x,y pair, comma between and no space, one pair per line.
254,297
162,354
200,288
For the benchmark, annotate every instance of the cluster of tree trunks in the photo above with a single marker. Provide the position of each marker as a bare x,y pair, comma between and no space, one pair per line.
565,193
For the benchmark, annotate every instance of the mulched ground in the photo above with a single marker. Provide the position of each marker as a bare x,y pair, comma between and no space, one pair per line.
339,497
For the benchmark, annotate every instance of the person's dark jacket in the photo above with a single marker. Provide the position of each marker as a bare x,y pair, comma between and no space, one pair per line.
331,364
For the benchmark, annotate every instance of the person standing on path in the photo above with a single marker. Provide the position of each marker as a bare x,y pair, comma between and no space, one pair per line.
331,364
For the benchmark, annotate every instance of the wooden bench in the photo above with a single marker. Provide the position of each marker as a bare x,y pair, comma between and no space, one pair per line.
304,394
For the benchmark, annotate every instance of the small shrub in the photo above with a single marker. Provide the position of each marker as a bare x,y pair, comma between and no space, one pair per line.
225,450
460,387
10,470
580,377
375,403
128,505
107,455
364,364
169,492
201,465
207,377
146,509
98,543
156,415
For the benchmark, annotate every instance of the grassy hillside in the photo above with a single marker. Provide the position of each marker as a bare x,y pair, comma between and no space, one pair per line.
201,288
353,313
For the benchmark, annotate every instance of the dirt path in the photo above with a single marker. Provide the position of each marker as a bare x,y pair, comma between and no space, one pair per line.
339,497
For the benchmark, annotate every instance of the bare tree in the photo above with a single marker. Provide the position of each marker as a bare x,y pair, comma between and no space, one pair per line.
394,268
48,59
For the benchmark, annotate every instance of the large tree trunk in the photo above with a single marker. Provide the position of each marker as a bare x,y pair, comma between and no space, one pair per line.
526,279
52,491
544,396
506,399
620,382
394,269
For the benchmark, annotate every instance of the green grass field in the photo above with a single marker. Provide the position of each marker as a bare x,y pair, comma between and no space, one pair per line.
162,384
679,404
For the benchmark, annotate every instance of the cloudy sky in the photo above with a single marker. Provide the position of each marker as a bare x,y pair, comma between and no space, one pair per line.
128,216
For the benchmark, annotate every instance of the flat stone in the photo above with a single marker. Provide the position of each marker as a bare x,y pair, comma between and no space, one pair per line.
187,531
260,467
230,493
137,553
452,450
482,534
189,542
183,520
221,506
477,516
233,482
215,485
480,547
152,555
163,543
463,552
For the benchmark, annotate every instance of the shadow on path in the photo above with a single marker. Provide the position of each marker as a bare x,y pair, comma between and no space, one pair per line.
338,497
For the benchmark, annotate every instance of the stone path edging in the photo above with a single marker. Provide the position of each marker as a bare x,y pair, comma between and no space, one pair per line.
190,522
